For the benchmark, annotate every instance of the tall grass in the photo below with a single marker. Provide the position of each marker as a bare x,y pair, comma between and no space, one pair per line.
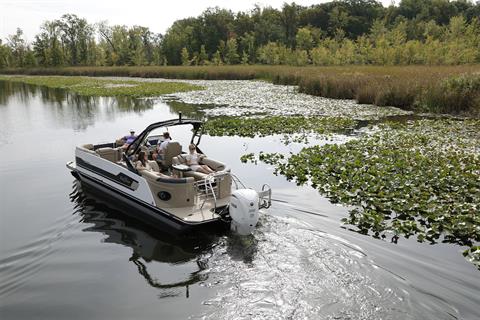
439,89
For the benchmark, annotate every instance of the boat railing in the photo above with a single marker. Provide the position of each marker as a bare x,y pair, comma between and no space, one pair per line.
208,189
237,182
265,197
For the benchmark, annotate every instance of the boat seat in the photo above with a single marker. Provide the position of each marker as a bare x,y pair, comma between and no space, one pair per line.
215,165
196,175
172,150
88,146
154,165
119,142
111,154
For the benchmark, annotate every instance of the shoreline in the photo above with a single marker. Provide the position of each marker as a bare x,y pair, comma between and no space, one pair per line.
433,89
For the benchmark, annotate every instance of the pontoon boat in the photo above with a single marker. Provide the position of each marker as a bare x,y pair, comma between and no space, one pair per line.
183,200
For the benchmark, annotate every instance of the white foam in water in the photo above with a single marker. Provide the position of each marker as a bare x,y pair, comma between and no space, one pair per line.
288,270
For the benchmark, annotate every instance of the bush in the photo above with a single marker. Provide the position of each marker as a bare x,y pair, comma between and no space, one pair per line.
456,95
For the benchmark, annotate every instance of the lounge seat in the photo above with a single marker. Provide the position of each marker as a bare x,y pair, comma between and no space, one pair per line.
111,154
215,165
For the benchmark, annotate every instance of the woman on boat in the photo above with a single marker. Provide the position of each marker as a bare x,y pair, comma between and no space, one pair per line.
142,164
193,160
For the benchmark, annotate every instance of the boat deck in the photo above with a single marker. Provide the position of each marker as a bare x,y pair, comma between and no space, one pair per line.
198,214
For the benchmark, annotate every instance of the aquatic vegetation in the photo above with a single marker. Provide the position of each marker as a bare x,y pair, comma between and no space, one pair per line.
244,98
294,128
406,87
100,87
473,255
248,157
419,178
268,158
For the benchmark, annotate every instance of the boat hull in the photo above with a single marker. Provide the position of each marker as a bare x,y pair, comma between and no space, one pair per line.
151,215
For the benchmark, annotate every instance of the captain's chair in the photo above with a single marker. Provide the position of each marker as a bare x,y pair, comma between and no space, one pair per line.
173,149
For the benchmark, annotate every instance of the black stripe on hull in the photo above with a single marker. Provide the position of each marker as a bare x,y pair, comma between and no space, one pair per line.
137,209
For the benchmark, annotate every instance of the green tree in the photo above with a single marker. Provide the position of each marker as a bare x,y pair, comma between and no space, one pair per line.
30,60
304,39
4,55
202,56
185,57
247,45
231,54
245,58
217,58
18,47
289,16
75,35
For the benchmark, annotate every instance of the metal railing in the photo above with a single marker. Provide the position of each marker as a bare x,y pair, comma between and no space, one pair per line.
208,189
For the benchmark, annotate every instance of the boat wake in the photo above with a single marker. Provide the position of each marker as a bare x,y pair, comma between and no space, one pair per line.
289,270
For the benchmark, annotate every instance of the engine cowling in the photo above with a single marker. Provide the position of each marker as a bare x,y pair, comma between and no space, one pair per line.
244,211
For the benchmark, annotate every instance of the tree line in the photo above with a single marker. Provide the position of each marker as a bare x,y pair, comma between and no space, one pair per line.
333,33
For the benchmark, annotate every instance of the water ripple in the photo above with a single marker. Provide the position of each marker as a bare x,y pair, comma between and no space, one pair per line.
289,270
24,262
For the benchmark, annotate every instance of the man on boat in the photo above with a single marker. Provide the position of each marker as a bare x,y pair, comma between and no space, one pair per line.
161,148
165,142
128,140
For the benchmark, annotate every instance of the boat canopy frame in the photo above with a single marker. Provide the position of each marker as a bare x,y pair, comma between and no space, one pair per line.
136,144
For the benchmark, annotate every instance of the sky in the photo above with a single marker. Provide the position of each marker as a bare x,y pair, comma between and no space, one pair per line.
157,15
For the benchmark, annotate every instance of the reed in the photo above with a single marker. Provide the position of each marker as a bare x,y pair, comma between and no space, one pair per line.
418,88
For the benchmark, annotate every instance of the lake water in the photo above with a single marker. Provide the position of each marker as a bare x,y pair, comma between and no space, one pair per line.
66,254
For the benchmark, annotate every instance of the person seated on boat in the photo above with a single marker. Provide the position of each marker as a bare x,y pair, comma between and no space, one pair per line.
128,139
162,146
193,160
153,155
142,164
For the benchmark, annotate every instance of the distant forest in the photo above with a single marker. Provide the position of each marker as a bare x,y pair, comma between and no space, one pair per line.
344,32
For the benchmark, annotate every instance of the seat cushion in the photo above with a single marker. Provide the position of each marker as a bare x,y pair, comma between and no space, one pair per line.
108,154
195,174
154,165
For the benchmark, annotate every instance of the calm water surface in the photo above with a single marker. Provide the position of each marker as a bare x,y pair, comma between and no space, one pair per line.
66,254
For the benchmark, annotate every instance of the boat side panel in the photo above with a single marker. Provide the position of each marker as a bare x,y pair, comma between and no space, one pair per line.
134,208
155,217
112,174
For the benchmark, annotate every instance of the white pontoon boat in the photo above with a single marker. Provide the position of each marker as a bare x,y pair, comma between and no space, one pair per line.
182,201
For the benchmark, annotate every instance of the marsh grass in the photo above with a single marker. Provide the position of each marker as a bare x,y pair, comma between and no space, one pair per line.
107,88
418,88
461,90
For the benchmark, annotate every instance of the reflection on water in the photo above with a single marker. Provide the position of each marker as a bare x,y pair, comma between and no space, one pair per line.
72,109
147,244
285,267
97,257
83,111
188,110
